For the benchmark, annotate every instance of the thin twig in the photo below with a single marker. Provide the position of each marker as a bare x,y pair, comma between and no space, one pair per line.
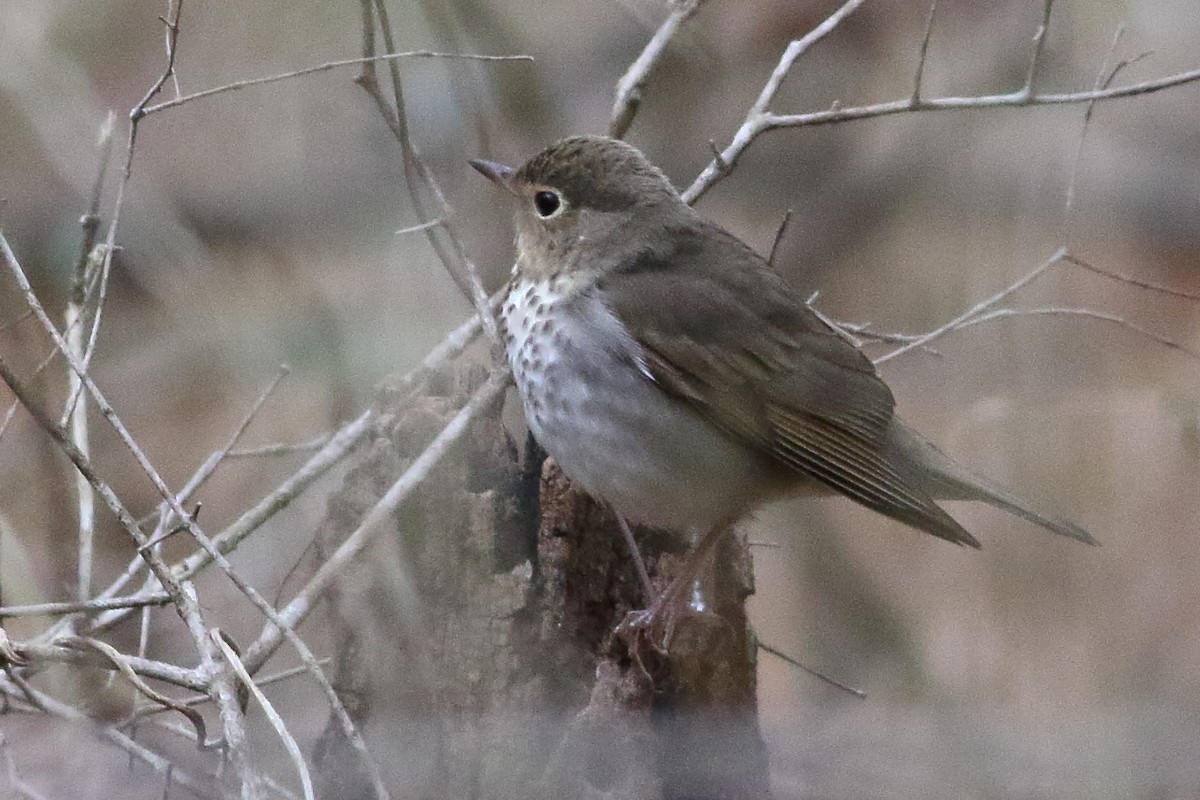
203,699
345,62
304,601
724,161
37,370
629,88
756,124
1010,100
864,331
280,449
86,606
859,693
330,455
418,178
1103,78
1039,46
184,600
49,705
123,665
923,53
974,310
289,741
424,226
91,278
235,734
845,331
15,782
90,223
136,114
77,417
213,461
1008,313
1138,282
339,445
780,232
73,414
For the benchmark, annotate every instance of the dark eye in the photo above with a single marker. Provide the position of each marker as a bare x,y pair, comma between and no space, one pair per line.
547,203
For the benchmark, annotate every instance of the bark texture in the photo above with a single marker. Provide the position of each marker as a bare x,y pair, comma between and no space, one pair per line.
491,670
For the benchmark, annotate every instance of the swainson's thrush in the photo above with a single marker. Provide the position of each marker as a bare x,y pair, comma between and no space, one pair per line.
673,374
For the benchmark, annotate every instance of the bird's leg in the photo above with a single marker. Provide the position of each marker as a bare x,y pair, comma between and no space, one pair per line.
636,554
684,589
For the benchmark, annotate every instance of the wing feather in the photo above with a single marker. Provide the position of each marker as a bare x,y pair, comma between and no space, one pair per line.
726,335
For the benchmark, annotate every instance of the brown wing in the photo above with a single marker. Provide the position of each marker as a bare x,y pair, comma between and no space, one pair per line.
768,371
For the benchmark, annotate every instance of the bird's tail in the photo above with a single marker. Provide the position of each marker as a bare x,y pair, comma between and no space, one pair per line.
945,479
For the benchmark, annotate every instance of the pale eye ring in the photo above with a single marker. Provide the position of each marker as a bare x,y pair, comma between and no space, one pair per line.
547,203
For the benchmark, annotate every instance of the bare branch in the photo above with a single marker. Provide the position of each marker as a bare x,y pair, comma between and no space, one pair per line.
289,741
76,415
1039,46
749,129
1014,99
780,232
859,693
1104,79
923,53
12,685
90,221
171,23
1008,313
280,449
184,600
306,598
760,120
424,226
12,407
202,699
15,782
109,248
214,460
86,606
976,309
123,665
235,734
629,88
338,446
345,62
229,538
1138,282
419,179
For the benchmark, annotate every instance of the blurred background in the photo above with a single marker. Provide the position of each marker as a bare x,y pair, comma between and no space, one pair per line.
260,228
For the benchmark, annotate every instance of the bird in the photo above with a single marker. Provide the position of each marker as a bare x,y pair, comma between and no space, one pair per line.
673,374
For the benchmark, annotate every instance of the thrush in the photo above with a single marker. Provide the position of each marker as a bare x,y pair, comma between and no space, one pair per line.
673,374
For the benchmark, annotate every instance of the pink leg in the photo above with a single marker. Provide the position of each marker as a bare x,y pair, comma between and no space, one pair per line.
663,610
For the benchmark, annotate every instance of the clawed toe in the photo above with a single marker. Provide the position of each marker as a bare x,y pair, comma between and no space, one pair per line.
654,625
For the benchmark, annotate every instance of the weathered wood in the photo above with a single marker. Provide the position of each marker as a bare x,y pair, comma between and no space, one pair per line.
499,676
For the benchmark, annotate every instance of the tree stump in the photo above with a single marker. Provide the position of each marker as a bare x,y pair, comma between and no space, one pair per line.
493,670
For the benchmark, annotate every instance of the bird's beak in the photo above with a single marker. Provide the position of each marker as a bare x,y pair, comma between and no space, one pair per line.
499,174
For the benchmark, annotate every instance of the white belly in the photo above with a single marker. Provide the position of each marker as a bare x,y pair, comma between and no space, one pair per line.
611,428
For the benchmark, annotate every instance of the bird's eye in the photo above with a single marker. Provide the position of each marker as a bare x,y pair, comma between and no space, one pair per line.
547,203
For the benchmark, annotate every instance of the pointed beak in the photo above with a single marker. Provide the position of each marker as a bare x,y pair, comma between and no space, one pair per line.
499,174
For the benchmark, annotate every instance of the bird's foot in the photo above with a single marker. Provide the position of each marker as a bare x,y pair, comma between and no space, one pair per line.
656,625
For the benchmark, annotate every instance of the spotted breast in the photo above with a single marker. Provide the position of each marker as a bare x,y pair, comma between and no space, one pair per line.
590,401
